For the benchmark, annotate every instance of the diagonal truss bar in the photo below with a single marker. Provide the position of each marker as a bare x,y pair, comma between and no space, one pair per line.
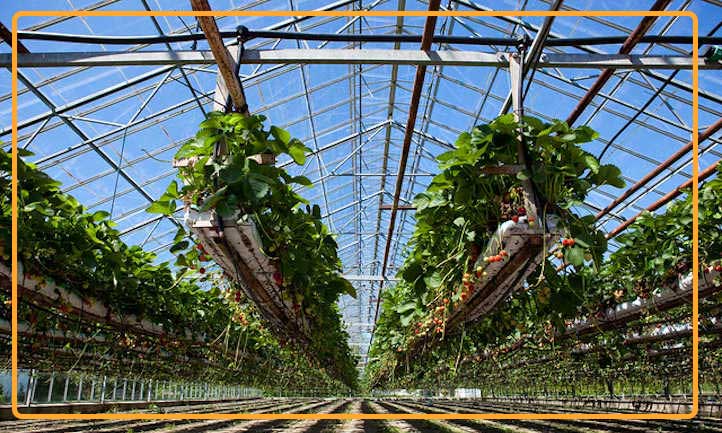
626,48
534,52
704,174
226,65
48,103
704,135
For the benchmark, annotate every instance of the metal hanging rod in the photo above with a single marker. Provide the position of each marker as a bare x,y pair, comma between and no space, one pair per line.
247,35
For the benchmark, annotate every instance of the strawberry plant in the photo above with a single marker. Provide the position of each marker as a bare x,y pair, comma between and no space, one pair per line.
216,336
234,185
462,208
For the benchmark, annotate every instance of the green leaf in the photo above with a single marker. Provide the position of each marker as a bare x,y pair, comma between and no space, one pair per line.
301,180
523,175
591,162
433,281
179,246
258,187
575,256
280,134
406,319
100,215
214,199
162,207
172,190
298,152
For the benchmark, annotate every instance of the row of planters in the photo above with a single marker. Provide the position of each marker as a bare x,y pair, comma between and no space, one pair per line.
465,221
574,285
654,257
73,262
262,234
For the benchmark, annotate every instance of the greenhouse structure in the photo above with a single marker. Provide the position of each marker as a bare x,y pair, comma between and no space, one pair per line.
361,216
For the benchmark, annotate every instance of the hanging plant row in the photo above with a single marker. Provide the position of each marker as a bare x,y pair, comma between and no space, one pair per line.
246,216
471,226
86,295
612,319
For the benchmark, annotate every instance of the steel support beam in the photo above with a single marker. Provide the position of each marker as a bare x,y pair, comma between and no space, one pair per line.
342,56
534,52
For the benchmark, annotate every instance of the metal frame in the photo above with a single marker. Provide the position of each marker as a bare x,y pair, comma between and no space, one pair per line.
352,159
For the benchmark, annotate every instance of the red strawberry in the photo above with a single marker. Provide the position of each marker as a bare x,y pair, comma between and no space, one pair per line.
446,301
718,268
278,278
515,218
521,211
202,270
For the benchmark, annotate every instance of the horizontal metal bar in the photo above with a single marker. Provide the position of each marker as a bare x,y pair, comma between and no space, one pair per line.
355,56
350,277
246,35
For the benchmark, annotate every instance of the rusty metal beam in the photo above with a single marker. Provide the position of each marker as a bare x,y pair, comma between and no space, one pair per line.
226,64
626,48
426,41
707,172
704,135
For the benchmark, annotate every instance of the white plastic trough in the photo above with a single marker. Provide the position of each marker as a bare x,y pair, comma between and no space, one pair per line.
525,246
668,298
48,292
234,244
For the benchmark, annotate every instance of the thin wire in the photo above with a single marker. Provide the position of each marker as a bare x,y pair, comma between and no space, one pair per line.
117,171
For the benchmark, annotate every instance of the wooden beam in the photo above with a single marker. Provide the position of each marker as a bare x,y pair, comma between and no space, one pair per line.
226,64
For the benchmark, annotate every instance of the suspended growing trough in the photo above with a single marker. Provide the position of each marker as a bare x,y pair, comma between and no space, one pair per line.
668,298
234,243
525,245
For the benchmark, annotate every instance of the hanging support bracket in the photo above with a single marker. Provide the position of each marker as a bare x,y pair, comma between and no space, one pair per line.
516,71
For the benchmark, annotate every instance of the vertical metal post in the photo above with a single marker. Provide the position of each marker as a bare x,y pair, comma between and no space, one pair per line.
125,386
102,390
115,388
516,68
150,388
92,389
132,391
29,388
65,388
50,387
80,388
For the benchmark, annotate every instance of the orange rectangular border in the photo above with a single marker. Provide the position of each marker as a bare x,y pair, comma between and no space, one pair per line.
347,416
